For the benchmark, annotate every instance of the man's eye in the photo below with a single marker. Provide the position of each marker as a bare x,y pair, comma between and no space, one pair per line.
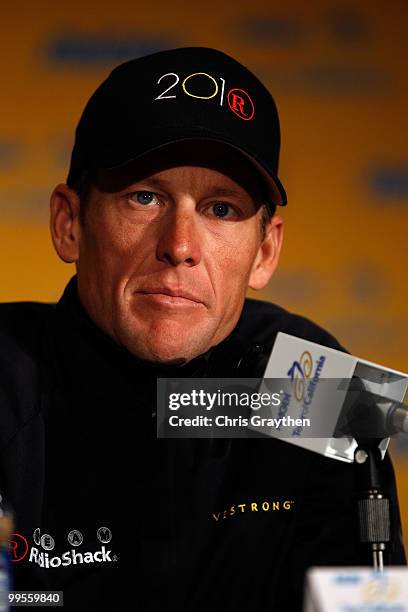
144,197
221,209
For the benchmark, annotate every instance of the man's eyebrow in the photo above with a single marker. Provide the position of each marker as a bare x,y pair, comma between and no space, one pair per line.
222,191
154,181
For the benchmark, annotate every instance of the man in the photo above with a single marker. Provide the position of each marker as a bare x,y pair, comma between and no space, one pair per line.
169,216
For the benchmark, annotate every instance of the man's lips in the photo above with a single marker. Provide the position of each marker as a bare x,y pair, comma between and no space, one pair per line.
170,296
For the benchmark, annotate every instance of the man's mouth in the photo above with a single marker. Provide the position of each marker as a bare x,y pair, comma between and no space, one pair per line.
170,297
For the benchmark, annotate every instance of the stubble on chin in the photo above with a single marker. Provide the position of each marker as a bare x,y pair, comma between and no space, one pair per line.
164,340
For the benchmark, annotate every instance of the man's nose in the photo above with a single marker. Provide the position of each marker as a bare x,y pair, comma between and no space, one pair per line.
179,241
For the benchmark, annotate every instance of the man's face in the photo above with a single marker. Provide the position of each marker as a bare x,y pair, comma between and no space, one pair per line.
167,249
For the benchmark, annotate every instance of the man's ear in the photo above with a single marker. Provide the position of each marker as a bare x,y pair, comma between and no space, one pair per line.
64,222
267,257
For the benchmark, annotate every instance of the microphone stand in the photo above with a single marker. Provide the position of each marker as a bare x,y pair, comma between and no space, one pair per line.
373,507
369,426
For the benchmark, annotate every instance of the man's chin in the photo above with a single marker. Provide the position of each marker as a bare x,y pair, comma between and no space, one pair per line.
162,361
166,342
160,356
164,353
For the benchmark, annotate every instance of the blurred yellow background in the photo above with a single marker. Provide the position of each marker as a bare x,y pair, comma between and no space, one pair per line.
338,73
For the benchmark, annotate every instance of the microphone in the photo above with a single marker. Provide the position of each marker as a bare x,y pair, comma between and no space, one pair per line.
368,415
345,398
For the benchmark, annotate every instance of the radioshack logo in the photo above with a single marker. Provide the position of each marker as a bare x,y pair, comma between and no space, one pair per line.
41,553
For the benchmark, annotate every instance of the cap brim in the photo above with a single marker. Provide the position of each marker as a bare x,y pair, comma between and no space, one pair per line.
275,189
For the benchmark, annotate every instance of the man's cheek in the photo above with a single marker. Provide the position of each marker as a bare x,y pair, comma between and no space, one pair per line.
233,268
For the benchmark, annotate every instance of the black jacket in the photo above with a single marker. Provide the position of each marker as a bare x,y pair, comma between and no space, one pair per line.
183,524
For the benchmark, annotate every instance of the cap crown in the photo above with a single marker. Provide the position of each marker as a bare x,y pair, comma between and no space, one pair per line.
191,92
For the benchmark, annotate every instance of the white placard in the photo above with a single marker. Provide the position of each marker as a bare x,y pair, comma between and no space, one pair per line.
354,589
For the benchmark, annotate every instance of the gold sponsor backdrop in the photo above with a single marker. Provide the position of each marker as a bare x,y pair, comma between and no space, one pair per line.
338,73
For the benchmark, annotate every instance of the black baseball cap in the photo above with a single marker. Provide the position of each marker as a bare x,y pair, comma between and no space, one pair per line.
191,93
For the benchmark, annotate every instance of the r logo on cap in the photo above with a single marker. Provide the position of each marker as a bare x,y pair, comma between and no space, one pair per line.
241,104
